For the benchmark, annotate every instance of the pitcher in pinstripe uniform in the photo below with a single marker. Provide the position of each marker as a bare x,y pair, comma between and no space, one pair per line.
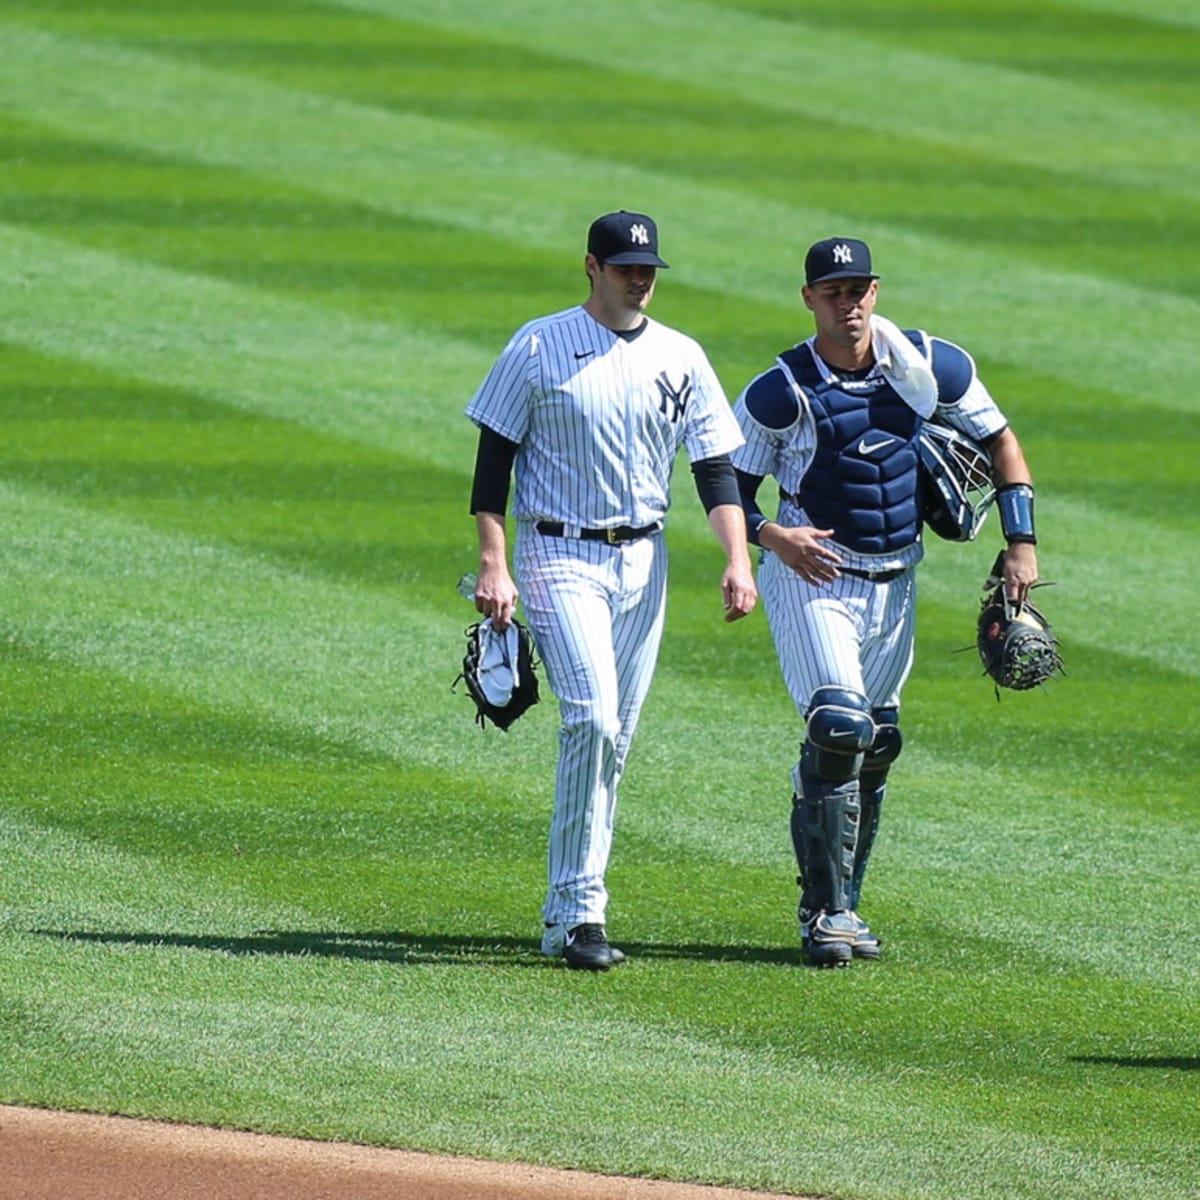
585,411
836,421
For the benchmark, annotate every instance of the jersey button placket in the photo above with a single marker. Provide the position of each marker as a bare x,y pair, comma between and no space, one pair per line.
631,398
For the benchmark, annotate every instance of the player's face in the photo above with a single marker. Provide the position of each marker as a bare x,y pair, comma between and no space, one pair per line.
621,293
842,308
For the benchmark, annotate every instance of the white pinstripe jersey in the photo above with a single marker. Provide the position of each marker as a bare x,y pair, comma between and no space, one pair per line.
599,419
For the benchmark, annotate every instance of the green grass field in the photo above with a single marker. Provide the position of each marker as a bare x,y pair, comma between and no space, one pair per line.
258,869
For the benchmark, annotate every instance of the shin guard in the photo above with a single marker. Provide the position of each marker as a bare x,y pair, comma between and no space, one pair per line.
825,826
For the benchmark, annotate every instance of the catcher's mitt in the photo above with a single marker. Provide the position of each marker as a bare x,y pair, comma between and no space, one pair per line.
1018,648
499,671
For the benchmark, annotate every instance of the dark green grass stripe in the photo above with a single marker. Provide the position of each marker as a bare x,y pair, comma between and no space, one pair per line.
470,167
1136,53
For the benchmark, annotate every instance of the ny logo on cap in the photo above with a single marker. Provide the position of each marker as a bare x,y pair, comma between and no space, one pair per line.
842,254
639,235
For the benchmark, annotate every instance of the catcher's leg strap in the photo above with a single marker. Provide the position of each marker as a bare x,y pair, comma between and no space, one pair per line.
825,824
872,781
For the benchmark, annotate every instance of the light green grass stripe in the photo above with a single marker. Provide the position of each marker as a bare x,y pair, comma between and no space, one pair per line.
50,879
722,240
186,613
307,363
798,66
1183,13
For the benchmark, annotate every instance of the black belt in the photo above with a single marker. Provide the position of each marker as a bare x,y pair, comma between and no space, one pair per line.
874,576
614,536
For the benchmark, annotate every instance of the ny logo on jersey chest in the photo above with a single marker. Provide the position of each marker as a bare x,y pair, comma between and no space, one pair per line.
673,401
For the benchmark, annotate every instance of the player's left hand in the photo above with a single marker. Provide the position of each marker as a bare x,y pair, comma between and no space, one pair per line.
739,592
1020,570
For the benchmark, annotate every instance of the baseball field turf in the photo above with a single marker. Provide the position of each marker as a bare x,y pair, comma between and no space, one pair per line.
258,869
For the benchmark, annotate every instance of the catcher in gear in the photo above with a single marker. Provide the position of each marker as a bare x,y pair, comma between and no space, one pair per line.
1018,648
873,434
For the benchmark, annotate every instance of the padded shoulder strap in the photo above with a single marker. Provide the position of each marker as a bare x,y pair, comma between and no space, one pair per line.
799,363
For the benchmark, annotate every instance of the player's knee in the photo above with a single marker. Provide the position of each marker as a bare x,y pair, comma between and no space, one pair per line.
589,724
887,743
840,729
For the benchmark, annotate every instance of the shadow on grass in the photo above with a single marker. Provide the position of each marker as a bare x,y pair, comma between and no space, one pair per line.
414,948
1155,1062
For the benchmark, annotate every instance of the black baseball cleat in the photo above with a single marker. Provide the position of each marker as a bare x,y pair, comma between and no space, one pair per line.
583,947
827,938
865,944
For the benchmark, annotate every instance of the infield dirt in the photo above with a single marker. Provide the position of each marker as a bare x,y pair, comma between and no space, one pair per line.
71,1156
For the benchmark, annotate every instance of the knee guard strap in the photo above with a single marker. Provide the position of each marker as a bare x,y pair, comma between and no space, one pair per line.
887,743
880,755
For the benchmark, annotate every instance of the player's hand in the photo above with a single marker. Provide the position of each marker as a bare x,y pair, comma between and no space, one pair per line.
802,548
1020,570
739,592
496,596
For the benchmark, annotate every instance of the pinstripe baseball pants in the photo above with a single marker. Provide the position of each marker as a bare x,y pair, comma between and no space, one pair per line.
596,614
849,633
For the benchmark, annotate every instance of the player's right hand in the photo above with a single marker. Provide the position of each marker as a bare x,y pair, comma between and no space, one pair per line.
496,596
801,548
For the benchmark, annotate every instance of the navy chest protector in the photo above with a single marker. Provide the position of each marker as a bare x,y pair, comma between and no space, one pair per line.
863,482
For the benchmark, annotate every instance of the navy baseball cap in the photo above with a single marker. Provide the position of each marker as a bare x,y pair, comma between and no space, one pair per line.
625,239
838,258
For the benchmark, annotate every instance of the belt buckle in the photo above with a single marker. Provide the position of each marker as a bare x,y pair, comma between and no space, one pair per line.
610,536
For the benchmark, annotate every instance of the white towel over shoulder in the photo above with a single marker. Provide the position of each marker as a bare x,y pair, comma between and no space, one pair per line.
904,366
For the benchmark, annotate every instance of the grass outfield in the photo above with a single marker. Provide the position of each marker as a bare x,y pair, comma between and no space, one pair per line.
257,867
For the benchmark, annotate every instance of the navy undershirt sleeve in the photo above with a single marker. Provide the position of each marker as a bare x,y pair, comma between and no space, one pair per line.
748,486
493,472
715,481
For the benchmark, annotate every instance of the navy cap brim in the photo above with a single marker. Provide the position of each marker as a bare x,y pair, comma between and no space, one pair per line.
635,258
842,275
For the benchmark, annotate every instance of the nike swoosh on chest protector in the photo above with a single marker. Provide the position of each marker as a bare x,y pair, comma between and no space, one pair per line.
865,447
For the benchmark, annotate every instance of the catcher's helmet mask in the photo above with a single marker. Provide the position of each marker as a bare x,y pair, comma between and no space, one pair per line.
957,488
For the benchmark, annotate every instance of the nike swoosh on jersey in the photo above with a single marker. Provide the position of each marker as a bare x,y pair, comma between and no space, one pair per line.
584,353
865,447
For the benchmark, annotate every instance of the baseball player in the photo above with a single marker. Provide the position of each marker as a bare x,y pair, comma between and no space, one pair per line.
835,420
585,410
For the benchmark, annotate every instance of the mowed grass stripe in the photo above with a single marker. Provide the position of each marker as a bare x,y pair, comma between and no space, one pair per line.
312,364
263,638
727,241
1178,13
1011,116
714,138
